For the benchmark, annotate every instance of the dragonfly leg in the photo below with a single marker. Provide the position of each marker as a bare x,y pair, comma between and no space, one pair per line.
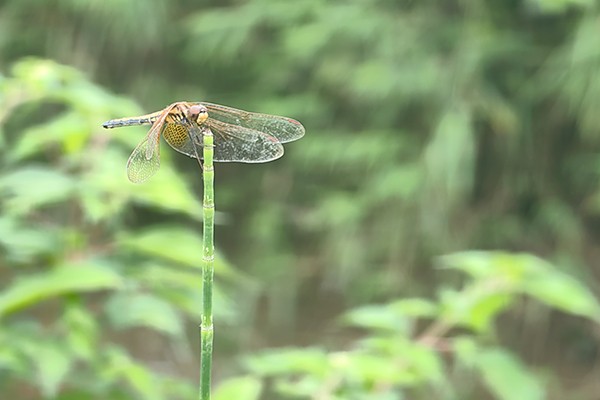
197,134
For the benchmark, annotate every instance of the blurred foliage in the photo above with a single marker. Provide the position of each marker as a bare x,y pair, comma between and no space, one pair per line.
71,227
432,127
402,355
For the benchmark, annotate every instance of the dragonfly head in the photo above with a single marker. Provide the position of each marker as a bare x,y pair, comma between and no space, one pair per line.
198,114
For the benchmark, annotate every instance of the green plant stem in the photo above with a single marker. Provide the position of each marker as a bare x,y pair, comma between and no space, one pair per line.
208,258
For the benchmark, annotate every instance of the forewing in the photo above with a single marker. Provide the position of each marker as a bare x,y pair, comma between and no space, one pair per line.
241,144
282,128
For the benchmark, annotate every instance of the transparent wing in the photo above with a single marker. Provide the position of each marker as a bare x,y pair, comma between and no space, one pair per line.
282,128
240,144
140,167
145,159
232,143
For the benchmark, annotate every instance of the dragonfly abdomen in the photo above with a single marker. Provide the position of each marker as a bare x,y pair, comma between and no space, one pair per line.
117,123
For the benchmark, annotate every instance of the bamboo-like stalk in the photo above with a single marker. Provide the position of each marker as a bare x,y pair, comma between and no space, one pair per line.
175,123
208,258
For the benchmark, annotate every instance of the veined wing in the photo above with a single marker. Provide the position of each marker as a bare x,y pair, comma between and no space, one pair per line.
144,161
232,143
282,128
241,144
139,166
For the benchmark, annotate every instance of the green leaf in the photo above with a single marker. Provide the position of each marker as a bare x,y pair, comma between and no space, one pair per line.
173,243
449,157
512,269
307,39
378,317
242,388
167,190
70,131
466,349
182,289
401,182
277,362
10,359
105,189
485,307
24,243
426,363
559,6
303,387
530,275
475,306
475,263
507,378
562,291
128,310
52,364
43,77
140,378
371,369
83,331
76,277
170,242
415,307
35,186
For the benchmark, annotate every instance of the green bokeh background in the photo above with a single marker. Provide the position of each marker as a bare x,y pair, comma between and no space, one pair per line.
434,128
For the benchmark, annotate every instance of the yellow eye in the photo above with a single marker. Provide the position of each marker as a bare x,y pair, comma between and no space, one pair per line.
202,117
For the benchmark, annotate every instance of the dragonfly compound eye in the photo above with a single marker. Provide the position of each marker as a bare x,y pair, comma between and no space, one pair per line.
198,113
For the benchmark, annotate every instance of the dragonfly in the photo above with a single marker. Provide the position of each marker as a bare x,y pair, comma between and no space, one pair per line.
239,136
